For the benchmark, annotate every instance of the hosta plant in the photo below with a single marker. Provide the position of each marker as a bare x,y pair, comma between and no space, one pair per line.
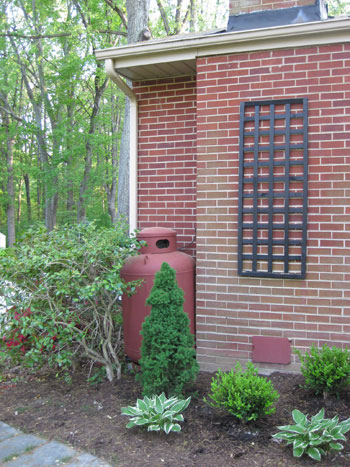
315,437
157,413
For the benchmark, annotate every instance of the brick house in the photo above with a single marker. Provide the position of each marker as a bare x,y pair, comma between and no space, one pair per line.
240,142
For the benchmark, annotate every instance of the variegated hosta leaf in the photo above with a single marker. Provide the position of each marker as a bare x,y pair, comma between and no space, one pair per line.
131,411
318,417
294,429
147,401
178,417
167,427
159,406
299,443
153,428
284,435
299,417
176,427
162,398
141,421
298,452
345,426
131,424
314,453
142,405
336,446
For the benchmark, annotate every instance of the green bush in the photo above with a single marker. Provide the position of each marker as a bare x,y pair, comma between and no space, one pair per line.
243,394
62,291
157,413
315,437
168,358
326,370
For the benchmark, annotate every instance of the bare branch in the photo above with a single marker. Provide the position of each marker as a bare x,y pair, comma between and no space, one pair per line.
9,112
178,16
84,20
109,31
164,17
119,11
36,36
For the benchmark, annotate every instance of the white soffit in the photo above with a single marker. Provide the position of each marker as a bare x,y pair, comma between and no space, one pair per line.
176,56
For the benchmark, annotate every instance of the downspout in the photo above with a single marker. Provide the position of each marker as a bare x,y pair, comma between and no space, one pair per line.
113,75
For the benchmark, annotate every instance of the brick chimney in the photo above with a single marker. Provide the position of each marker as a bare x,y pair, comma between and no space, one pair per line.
238,7
255,14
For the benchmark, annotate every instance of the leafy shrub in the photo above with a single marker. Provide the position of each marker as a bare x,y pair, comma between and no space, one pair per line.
62,292
168,359
315,437
326,370
244,395
157,413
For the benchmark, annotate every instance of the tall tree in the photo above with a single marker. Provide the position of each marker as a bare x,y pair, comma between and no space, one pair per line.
339,7
137,14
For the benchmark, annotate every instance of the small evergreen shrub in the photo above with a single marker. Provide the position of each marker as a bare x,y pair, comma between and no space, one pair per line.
326,370
315,437
168,358
243,394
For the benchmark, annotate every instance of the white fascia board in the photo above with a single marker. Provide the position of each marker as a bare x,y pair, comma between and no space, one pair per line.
182,48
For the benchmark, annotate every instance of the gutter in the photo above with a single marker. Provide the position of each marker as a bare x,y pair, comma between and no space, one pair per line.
127,90
191,47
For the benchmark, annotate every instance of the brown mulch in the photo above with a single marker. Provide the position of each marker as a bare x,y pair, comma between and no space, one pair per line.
88,417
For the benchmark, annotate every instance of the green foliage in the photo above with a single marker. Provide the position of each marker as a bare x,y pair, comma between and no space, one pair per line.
65,303
315,437
243,394
168,358
157,413
338,7
326,370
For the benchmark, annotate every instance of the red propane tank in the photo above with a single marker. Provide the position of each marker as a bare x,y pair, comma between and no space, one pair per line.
161,247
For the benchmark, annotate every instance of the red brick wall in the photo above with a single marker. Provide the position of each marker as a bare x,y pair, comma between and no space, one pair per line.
231,309
248,6
167,157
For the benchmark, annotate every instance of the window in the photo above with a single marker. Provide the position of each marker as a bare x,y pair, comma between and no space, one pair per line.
272,217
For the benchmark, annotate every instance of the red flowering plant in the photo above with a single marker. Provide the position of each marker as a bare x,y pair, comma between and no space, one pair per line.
65,306
13,339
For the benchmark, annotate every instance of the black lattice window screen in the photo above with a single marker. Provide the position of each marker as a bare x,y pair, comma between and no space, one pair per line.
273,188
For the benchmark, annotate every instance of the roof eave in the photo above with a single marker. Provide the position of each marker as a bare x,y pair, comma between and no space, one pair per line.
175,55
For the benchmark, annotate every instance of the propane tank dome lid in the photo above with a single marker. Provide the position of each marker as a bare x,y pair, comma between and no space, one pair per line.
151,232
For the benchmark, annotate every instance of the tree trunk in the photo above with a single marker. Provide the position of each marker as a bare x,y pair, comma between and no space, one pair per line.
19,202
137,12
11,229
28,198
99,90
10,186
111,189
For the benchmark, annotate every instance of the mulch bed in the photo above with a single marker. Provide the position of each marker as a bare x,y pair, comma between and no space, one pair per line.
88,417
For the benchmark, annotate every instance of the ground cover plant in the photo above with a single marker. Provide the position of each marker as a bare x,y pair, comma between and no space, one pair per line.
326,370
168,358
316,437
65,306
